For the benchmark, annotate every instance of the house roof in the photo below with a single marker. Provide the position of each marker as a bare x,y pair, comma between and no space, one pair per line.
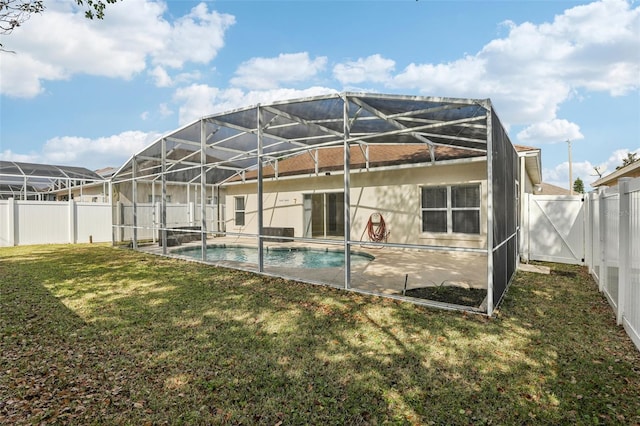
630,170
227,144
544,188
328,159
106,172
533,162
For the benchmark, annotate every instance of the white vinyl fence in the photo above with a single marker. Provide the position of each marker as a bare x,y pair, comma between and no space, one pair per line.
612,218
53,222
61,222
148,223
553,229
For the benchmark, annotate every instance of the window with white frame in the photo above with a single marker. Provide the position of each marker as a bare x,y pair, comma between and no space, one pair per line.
239,213
451,209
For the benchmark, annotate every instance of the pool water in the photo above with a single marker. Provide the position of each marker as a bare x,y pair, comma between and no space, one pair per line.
289,257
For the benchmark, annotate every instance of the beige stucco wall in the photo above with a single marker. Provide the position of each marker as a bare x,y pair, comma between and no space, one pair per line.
393,193
90,193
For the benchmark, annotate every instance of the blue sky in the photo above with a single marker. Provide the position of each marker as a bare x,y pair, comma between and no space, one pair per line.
91,93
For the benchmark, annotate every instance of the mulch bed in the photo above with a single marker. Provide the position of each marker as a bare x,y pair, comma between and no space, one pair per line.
454,295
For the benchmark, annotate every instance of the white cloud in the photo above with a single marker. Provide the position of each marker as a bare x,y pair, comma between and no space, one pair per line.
8,155
270,73
585,170
85,152
119,46
556,130
374,68
196,37
464,76
199,100
144,116
160,77
534,68
164,110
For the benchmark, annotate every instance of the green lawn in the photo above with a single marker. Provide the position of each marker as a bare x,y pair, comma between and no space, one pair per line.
90,334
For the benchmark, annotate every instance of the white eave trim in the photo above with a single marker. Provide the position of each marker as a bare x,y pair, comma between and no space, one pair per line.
604,181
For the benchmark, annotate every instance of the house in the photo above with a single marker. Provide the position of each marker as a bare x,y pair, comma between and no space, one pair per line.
31,181
422,202
440,173
630,171
544,188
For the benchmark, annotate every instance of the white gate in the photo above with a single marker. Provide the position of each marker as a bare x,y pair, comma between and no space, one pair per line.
554,228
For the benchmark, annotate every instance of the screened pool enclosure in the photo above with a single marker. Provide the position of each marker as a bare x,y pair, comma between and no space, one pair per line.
44,182
404,196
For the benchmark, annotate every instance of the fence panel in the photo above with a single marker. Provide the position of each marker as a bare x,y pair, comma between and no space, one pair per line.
555,228
145,220
43,222
25,222
180,215
594,209
611,234
93,222
614,239
631,304
6,220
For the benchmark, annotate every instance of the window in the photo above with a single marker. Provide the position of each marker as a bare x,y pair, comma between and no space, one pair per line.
239,211
451,209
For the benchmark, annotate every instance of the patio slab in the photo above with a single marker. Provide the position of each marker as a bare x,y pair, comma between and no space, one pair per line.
385,274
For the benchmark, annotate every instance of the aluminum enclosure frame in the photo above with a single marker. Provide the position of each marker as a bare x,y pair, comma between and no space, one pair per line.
224,147
30,181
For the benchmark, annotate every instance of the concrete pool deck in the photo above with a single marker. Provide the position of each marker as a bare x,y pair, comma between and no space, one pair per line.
385,274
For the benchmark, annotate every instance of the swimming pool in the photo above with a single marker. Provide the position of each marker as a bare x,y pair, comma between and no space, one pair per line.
298,257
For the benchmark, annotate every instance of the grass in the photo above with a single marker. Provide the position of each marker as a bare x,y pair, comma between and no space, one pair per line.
96,335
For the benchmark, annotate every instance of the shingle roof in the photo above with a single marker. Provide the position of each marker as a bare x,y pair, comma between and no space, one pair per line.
630,170
548,189
332,158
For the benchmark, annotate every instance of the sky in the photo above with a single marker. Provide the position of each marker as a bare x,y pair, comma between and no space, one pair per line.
92,93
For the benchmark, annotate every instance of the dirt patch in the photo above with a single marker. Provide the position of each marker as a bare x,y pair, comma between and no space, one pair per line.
455,295
570,274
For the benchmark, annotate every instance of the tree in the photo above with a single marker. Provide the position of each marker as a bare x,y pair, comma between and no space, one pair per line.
632,157
578,186
14,13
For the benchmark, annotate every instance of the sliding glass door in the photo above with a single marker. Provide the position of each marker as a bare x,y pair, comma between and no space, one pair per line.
324,215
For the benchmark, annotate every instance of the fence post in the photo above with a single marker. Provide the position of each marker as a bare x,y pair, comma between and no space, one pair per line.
12,223
587,230
623,244
524,243
592,259
191,214
602,275
157,215
119,237
72,221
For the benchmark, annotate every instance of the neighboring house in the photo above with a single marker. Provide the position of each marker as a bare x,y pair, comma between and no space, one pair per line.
31,181
544,188
630,170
